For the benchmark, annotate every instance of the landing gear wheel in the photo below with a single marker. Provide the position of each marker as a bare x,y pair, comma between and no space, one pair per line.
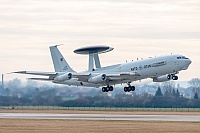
169,76
125,89
133,88
110,88
175,77
107,89
104,89
129,89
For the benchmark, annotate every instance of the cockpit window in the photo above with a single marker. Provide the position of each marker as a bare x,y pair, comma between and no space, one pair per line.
182,57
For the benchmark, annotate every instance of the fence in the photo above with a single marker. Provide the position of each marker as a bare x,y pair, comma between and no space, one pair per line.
101,108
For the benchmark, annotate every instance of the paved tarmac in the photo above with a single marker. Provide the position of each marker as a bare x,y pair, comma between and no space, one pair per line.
189,118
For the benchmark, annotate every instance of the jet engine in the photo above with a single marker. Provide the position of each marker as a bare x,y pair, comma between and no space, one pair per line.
97,79
60,78
163,78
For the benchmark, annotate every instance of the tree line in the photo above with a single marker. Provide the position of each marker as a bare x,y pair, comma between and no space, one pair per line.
159,100
166,96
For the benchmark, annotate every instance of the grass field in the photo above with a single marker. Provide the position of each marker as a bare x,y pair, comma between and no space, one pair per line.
101,108
85,126
95,126
58,111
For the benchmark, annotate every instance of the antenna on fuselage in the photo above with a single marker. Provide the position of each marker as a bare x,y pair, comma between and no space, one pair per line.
93,52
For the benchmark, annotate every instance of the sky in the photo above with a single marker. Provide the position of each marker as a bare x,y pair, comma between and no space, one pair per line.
134,28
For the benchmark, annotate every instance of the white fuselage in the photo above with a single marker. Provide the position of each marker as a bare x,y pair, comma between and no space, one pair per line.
146,68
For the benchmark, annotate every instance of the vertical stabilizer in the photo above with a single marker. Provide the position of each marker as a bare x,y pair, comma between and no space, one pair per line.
59,62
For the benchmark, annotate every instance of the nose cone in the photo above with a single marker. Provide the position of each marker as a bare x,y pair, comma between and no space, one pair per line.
187,63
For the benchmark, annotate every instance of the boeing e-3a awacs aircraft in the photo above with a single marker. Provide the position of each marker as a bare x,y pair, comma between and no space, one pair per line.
160,69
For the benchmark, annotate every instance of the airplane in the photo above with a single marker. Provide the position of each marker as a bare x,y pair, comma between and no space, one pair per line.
160,69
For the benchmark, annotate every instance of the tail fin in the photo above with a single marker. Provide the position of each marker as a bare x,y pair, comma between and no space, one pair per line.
59,62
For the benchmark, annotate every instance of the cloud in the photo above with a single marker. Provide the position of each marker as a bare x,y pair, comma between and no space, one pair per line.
133,27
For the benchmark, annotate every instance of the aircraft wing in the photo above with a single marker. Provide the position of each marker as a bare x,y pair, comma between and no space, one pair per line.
84,77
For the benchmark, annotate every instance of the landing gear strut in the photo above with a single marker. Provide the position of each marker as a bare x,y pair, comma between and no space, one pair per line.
107,89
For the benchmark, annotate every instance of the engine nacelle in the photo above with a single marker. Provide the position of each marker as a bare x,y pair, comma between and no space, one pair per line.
162,78
97,79
60,78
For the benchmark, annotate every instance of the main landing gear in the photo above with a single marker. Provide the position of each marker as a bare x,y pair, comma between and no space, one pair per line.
129,88
107,89
126,89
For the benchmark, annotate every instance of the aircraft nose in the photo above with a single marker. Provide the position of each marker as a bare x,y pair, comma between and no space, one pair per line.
186,64
188,61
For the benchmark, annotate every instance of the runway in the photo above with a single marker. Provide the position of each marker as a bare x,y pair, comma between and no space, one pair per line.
186,118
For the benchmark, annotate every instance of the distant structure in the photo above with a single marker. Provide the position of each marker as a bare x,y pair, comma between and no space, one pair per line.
2,81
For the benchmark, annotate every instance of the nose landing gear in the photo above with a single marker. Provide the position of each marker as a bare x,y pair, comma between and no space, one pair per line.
172,76
175,77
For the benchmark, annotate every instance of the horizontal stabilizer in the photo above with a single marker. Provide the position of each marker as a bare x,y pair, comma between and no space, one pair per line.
42,79
38,73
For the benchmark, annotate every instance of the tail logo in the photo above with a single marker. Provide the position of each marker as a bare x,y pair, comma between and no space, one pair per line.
65,68
61,59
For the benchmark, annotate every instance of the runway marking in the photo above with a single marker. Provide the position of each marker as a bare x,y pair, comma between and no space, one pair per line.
102,117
